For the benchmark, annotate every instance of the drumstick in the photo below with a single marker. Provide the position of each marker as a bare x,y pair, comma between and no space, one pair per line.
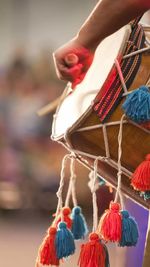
71,60
51,106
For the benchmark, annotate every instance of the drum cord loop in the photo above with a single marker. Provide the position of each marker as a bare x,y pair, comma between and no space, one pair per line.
61,186
119,174
72,187
93,187
94,250
121,76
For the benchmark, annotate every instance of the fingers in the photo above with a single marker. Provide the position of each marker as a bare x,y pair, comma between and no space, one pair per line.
72,64
65,72
68,74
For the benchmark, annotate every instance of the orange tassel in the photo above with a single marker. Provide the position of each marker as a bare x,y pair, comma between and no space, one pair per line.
110,223
47,251
141,176
92,253
66,211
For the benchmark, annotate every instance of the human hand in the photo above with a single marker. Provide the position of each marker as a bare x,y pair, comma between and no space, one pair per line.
72,62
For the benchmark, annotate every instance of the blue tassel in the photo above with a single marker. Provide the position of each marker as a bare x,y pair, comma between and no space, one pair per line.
65,245
79,225
137,105
101,182
146,195
130,232
107,262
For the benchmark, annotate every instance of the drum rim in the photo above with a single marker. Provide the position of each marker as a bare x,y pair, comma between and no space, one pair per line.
120,51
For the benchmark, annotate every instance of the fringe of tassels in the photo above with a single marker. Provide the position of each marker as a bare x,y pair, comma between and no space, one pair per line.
59,242
115,225
68,226
137,109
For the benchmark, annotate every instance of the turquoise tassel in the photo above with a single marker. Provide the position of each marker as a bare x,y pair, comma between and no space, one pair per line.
146,195
101,182
65,245
130,232
137,105
107,262
79,225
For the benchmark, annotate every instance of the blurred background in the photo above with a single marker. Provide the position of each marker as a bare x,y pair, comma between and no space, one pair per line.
30,161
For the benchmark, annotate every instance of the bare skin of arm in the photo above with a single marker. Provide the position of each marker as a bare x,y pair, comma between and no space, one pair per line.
107,17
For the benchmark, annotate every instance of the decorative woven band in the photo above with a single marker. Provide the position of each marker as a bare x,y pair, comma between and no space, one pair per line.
110,94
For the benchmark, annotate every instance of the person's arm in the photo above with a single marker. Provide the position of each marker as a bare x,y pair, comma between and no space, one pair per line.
106,18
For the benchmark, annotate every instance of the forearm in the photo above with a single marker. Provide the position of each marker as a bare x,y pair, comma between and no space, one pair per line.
107,17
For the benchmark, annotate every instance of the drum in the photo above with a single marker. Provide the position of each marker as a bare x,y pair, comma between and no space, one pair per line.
87,121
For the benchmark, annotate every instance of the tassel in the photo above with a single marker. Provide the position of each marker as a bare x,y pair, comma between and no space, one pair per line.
141,176
92,253
130,232
110,223
79,226
137,105
101,181
146,195
65,245
66,211
47,251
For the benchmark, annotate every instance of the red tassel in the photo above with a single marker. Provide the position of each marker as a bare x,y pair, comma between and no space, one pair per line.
47,251
141,176
92,253
66,211
110,223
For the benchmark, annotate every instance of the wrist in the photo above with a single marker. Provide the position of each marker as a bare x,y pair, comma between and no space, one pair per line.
88,40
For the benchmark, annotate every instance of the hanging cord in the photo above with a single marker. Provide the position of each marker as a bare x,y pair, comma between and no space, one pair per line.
122,80
93,186
119,174
73,178
61,186
72,184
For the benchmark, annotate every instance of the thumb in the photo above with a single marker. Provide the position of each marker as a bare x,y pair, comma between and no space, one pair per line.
71,59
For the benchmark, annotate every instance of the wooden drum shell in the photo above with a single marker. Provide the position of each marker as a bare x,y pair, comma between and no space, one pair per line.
135,143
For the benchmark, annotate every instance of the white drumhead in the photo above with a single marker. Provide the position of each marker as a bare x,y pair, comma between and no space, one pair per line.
74,105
